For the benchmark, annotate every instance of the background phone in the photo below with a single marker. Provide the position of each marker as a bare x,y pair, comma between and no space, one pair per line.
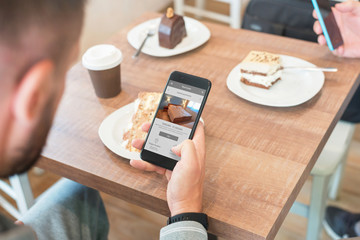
328,23
176,118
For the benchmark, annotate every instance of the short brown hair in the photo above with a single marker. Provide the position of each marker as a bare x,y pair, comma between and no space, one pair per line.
36,29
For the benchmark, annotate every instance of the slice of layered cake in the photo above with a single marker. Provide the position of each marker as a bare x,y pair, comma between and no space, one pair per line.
261,69
145,108
171,30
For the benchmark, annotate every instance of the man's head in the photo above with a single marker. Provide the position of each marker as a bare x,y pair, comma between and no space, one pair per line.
38,41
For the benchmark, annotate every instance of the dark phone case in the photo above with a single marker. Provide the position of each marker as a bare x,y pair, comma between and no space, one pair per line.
333,30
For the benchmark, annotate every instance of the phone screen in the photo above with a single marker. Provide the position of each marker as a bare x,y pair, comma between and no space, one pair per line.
328,23
175,118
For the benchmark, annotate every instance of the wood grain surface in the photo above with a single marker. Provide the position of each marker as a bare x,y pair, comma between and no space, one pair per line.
257,157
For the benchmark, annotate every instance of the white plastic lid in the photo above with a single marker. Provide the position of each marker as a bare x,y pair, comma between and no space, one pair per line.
102,57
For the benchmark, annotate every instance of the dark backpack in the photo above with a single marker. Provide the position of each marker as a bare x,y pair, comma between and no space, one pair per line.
291,18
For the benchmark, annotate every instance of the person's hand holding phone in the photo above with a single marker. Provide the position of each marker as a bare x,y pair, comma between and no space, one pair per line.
185,186
347,15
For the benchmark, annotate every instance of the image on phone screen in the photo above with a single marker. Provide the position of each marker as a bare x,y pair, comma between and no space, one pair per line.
175,118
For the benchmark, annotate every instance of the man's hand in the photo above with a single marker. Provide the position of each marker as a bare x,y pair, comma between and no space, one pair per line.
19,223
347,15
185,187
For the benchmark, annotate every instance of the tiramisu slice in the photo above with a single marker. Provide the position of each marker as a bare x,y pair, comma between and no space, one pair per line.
261,69
145,108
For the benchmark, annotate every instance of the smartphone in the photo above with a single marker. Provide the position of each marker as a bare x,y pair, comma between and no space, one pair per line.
328,24
176,118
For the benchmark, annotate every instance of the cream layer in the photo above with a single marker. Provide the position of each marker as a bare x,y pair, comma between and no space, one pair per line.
266,81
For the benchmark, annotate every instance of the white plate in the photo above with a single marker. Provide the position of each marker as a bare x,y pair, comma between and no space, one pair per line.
197,35
112,128
294,88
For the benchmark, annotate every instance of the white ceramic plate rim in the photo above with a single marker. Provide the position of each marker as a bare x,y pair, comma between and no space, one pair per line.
112,129
198,34
306,85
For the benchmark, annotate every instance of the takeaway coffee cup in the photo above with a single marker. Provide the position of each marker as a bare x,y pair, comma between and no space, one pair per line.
103,63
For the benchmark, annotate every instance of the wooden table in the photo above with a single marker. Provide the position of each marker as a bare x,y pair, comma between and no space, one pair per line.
257,157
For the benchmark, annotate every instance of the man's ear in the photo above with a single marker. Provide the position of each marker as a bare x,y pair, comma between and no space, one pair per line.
32,92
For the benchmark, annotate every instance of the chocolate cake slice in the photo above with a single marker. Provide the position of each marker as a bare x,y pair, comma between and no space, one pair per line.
177,114
171,30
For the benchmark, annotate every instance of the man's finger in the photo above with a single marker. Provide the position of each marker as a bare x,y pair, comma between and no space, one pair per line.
19,223
317,28
146,126
146,166
321,40
137,143
314,14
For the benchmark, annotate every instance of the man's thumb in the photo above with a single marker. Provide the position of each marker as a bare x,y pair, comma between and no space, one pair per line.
182,146
177,149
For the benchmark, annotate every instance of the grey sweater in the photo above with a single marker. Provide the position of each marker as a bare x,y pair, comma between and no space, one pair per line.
176,231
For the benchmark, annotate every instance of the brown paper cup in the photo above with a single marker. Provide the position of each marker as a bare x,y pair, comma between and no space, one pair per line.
107,83
103,63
